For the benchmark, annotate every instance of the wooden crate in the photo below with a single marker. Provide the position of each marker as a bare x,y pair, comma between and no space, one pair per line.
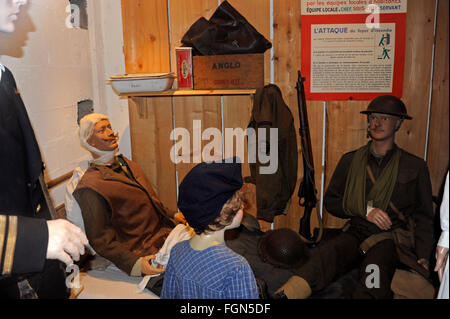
235,71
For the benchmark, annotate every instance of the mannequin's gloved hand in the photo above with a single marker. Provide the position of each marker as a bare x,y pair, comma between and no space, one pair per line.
441,256
148,269
65,241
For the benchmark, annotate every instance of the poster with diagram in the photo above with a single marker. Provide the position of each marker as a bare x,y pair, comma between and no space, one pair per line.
353,49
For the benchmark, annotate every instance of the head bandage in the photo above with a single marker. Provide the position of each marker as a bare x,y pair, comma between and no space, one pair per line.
85,131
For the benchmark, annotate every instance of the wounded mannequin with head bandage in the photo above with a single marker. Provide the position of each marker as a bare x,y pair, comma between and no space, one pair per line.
110,198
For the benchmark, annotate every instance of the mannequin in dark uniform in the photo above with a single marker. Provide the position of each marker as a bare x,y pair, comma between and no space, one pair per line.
30,243
386,193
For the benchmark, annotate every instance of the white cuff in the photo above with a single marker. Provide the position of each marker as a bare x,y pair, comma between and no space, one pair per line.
369,207
443,240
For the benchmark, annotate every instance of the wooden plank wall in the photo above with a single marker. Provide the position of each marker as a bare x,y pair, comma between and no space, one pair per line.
207,109
438,138
149,44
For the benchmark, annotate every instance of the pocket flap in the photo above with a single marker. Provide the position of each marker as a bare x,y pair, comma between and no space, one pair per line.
407,175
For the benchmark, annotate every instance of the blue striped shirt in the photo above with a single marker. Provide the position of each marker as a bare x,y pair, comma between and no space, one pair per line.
213,273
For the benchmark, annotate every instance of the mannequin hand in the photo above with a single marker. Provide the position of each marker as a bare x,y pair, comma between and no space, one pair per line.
148,269
379,218
65,241
424,263
180,217
441,255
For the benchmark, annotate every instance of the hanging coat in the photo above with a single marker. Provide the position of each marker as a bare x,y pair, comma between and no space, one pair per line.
273,191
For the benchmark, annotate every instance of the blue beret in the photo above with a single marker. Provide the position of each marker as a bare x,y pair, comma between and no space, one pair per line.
205,189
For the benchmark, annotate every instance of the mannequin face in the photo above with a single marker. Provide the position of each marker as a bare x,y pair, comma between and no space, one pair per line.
103,137
9,12
383,126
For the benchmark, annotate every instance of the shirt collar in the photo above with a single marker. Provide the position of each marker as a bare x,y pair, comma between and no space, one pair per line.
2,67
385,158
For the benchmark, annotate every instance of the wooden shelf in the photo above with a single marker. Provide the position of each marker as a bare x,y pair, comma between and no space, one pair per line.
190,93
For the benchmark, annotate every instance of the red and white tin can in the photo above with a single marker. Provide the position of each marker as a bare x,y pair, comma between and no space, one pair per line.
184,67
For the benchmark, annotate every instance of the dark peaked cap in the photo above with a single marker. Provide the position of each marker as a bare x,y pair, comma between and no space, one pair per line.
205,189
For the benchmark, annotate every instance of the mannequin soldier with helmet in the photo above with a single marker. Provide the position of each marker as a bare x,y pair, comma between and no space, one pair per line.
385,192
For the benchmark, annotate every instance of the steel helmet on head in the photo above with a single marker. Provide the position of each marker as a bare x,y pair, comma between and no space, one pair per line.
388,104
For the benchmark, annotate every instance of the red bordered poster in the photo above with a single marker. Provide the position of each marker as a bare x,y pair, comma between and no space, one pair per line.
353,49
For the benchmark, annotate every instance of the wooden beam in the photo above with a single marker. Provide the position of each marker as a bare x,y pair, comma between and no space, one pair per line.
61,179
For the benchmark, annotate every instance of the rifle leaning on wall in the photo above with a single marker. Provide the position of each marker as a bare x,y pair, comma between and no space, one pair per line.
307,190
